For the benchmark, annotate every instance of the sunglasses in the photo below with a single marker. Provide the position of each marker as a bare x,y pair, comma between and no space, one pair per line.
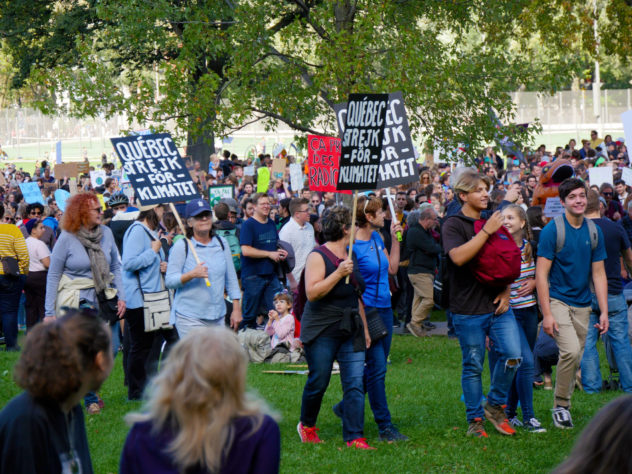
35,213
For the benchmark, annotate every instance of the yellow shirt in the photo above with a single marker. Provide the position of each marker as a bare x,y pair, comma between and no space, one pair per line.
13,244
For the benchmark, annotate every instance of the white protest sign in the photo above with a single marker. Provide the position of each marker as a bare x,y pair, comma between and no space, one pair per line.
626,175
553,207
249,170
296,176
217,193
155,168
598,176
626,118
97,178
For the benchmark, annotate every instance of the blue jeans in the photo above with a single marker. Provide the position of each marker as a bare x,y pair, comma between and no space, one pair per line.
617,336
257,290
522,385
320,355
10,293
505,336
375,373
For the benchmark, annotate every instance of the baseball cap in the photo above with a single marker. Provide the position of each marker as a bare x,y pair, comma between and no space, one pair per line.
197,206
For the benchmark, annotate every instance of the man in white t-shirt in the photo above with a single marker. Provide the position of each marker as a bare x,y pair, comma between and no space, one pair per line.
299,233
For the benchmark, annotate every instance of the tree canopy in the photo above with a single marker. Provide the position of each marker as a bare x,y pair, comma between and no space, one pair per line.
212,66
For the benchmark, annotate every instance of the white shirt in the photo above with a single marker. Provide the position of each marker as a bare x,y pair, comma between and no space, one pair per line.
37,251
302,241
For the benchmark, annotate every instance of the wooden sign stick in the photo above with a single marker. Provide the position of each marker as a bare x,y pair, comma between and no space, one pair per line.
184,232
353,226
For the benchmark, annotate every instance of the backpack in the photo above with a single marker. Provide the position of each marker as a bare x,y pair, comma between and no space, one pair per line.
497,263
233,242
560,232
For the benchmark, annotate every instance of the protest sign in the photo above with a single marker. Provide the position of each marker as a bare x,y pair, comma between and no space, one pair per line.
155,168
61,196
398,163
296,177
216,193
323,159
263,179
97,178
598,176
249,170
626,118
278,168
553,207
361,145
83,168
49,188
626,175
101,201
68,170
32,193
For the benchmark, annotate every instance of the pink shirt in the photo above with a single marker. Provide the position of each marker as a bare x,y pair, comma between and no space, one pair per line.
281,330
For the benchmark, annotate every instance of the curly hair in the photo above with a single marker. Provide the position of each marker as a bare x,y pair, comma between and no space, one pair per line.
77,211
198,393
334,221
57,355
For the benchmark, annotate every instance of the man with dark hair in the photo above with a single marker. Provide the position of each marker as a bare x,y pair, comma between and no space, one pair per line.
224,227
571,250
614,209
259,254
36,211
617,246
284,211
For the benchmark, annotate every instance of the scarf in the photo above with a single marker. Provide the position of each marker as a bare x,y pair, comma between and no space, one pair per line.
91,240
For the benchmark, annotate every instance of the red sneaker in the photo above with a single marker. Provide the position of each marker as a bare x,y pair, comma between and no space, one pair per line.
477,429
359,443
496,415
307,434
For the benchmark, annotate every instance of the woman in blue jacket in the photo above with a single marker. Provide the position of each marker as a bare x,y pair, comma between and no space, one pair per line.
196,304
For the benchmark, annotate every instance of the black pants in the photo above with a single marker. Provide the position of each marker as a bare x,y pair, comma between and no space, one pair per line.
138,358
35,294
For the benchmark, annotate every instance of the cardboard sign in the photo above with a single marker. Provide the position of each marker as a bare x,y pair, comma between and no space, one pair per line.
553,207
216,193
155,168
32,193
68,170
361,146
263,179
49,188
323,159
61,196
278,168
97,178
83,168
296,177
598,176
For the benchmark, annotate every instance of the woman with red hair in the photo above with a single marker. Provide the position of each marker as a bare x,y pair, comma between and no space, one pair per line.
84,266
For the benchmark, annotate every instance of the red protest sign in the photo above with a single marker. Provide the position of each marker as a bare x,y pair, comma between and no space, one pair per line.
323,157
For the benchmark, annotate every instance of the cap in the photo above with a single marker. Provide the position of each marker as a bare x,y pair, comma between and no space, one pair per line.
197,206
231,203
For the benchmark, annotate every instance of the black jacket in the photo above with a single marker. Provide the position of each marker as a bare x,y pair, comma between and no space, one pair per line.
422,248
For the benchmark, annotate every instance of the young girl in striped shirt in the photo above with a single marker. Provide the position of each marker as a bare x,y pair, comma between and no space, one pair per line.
523,303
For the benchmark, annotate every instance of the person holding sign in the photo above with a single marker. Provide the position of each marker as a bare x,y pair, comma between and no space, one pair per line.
259,254
196,304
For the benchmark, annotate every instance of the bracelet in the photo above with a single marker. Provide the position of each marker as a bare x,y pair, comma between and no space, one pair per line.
483,229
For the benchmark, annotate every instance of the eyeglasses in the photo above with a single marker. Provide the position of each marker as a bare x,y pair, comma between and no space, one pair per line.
97,209
606,194
315,201
202,216
304,210
35,213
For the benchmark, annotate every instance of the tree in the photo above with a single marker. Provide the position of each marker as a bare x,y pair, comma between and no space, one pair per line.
211,66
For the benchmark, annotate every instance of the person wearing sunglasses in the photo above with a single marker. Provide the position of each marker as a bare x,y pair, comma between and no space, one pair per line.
36,211
195,303
84,265
614,210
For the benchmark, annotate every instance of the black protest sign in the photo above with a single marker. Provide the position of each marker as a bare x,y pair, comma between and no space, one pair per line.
362,141
155,168
397,163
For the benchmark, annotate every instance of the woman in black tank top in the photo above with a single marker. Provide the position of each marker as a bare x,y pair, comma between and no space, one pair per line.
329,330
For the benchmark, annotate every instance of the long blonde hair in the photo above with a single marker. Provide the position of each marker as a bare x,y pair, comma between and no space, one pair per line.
197,394
526,230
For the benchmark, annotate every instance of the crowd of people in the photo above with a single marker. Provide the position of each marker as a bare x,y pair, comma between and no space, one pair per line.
291,272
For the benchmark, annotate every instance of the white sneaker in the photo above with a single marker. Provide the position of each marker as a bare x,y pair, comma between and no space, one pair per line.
562,418
515,421
534,426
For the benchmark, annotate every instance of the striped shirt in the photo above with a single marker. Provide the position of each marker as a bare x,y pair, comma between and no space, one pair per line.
13,244
527,271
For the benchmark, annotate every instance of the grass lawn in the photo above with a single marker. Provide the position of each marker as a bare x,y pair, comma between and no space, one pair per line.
423,386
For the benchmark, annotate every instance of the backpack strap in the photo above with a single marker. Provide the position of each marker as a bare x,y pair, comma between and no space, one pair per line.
560,231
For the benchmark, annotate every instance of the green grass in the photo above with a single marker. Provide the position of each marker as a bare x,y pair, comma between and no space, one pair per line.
423,386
